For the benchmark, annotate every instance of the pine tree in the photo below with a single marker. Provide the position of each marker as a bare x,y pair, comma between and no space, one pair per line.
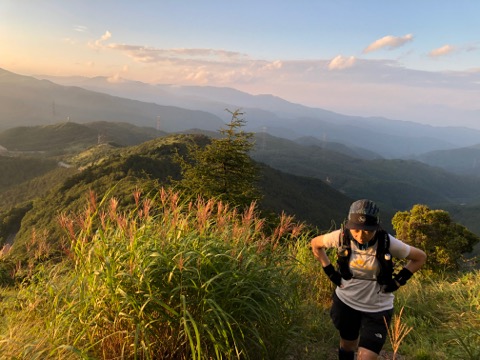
223,169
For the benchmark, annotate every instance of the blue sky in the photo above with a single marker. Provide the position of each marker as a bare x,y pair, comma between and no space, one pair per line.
407,60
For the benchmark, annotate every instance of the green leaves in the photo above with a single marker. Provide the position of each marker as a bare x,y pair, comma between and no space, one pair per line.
434,232
222,169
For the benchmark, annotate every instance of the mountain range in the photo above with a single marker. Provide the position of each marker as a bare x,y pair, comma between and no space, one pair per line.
172,108
26,101
44,100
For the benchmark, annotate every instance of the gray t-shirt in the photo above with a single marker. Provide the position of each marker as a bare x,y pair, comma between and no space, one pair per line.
363,292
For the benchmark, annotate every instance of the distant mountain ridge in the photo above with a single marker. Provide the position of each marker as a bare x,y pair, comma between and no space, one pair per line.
390,138
26,101
397,184
29,101
464,160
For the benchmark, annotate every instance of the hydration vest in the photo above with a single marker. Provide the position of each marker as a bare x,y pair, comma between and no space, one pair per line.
383,256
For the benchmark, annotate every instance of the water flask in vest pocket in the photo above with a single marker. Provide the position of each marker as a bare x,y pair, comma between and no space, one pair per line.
343,251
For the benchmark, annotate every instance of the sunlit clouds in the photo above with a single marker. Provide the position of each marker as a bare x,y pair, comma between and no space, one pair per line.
340,62
99,43
356,84
152,55
80,28
442,51
222,67
388,42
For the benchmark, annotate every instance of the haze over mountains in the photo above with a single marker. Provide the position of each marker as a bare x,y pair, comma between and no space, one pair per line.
29,101
26,101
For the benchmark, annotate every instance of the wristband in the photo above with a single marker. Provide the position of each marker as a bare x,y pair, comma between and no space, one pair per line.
333,275
329,270
403,276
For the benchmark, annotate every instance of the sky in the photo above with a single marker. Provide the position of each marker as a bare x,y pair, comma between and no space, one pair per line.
413,60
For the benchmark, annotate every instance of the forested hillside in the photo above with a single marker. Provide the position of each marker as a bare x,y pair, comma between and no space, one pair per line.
465,160
70,137
16,170
395,184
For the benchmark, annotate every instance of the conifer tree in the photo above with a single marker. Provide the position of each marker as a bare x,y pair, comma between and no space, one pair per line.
223,169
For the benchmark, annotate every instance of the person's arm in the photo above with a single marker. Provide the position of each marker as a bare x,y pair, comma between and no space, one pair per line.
416,259
318,249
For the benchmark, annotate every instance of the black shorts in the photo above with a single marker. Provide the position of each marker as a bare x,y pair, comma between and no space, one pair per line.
352,324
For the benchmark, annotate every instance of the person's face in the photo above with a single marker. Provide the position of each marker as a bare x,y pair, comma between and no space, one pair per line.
362,236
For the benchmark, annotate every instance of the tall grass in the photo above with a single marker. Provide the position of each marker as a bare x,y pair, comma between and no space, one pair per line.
167,280
173,279
444,312
397,331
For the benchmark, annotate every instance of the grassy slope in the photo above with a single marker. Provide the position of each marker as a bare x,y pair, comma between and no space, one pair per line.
432,303
139,284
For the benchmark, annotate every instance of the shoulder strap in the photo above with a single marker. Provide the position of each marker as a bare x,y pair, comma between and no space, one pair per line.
344,242
344,251
343,238
384,257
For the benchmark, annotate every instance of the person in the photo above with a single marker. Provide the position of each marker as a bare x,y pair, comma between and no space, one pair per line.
363,298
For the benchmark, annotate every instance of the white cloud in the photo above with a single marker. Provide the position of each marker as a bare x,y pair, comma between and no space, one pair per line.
389,42
275,65
98,44
115,79
200,76
340,62
106,36
152,55
441,51
80,28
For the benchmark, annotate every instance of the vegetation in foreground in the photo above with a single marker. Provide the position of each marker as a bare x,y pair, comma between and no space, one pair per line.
169,280
172,279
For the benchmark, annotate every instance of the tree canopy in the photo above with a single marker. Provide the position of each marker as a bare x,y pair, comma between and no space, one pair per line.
434,232
222,169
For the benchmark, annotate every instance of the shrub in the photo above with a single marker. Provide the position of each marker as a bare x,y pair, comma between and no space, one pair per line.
434,232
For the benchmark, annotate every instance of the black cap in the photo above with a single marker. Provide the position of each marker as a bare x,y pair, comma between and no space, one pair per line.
363,215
